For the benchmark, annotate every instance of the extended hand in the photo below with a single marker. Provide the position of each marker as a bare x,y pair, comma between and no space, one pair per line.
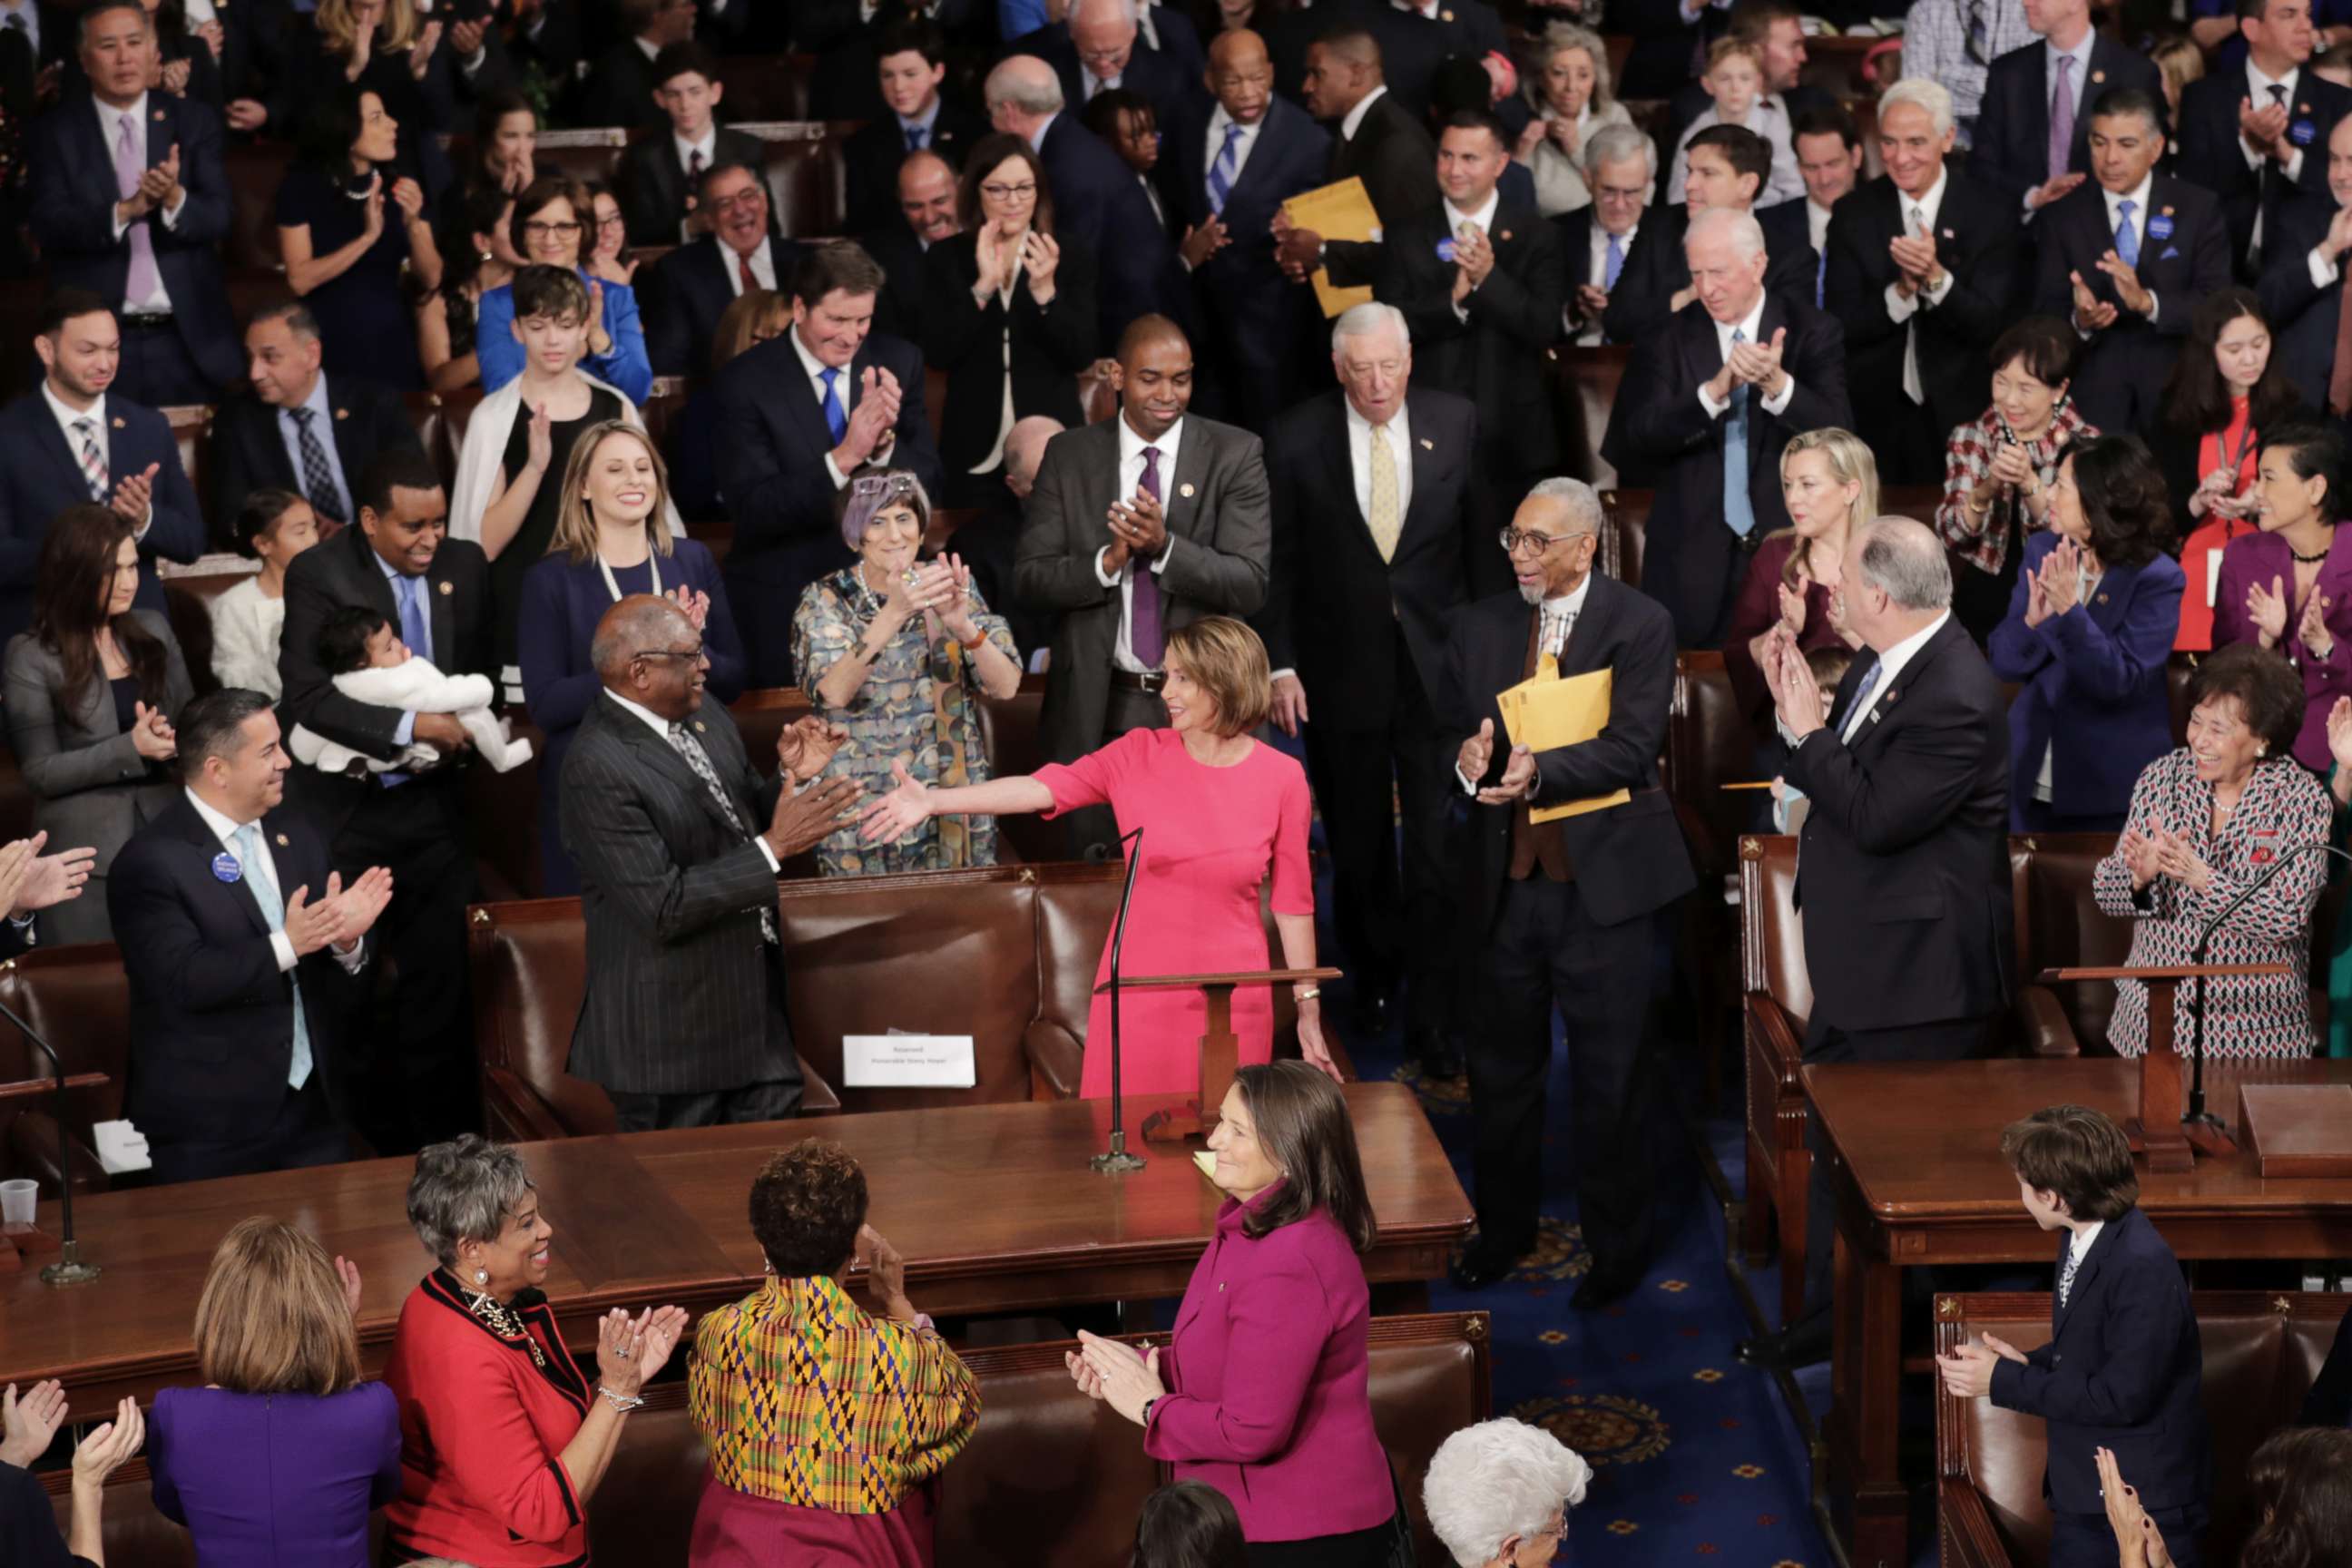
805,746
53,879
360,905
807,816
28,1424
1519,777
900,812
1478,751
106,1450
2049,191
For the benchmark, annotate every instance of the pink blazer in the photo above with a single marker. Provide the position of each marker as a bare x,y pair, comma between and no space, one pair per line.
1269,1397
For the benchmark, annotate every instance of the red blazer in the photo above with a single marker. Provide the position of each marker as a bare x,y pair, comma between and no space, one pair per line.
482,1429
1269,1397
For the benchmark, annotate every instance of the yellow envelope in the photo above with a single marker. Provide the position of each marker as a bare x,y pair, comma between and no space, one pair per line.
1545,711
1341,211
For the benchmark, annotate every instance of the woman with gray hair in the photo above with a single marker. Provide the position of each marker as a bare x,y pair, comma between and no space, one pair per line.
1568,93
502,1437
1498,1494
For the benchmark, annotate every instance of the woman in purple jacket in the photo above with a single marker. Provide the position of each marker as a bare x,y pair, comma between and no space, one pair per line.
1263,1391
2289,588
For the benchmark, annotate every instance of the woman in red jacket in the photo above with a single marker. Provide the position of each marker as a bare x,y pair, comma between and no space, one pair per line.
1263,1391
503,1438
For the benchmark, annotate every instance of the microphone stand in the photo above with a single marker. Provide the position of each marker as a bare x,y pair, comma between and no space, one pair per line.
2196,1114
1119,1158
68,1269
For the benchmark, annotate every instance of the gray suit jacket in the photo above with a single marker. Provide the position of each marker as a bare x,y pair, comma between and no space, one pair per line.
90,786
1220,534
676,1000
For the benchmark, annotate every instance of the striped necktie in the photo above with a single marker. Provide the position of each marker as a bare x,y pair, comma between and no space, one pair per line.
93,461
1225,171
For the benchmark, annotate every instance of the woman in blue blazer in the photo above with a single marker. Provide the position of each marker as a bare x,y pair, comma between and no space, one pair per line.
2090,624
549,228
613,538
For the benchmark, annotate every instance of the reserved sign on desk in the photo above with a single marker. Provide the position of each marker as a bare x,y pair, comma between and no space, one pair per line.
907,1061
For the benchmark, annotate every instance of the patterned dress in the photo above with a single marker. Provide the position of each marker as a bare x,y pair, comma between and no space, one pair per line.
2255,1017
918,704
1985,541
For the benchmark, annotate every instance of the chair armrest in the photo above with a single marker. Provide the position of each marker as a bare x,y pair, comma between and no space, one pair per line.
2042,1023
1965,1524
1056,1061
817,1096
1770,1024
516,1109
33,1150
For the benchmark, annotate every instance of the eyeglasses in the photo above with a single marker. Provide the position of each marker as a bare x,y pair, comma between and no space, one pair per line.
1515,540
610,220
750,198
691,655
867,487
543,230
1009,192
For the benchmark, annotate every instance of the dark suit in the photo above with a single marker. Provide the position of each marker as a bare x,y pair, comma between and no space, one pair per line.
1655,269
902,307
43,476
2213,155
683,1019
772,443
871,158
212,1014
422,1050
1048,344
2124,1370
2119,376
2329,1402
619,90
1367,638
1583,945
1692,562
2303,315
2011,152
654,186
1160,81
1254,321
1414,45
1666,52
687,291
1394,157
249,453
1976,242
1099,202
74,196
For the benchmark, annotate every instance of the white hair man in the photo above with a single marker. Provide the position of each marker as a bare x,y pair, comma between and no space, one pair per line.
1498,1494
1621,170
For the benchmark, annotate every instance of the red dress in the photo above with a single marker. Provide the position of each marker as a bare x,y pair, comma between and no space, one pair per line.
1209,836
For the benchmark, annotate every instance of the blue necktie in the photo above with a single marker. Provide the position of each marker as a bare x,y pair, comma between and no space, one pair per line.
1613,263
1862,694
1222,174
1738,509
915,136
835,420
413,628
1821,281
2127,236
273,911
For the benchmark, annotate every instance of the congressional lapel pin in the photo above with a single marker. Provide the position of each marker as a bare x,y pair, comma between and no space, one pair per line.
1185,490
1949,235
226,868
342,414
448,587
1445,15
159,116
2102,599
698,727
2098,75
117,423
1504,236
281,842
1427,445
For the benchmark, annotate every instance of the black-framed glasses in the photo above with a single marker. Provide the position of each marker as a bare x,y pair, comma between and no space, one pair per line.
998,193
560,230
1514,540
688,654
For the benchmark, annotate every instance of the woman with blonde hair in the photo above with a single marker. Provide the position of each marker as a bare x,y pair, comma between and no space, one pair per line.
615,534
1567,92
1830,481
283,1454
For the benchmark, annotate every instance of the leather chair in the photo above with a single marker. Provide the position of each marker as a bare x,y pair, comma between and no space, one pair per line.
188,594
1049,1479
254,171
767,86
191,434
75,998
1628,515
807,177
715,533
2262,1350
1585,381
2055,904
1779,997
589,153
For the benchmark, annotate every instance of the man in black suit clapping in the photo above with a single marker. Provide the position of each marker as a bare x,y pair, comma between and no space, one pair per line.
2303,285
2253,136
2032,139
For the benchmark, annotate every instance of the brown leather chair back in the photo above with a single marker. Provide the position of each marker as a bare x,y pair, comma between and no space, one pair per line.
715,534
1097,399
424,413
1708,745
16,798
1585,383
667,401
766,86
75,998
593,153
807,177
2060,925
187,603
1771,936
2179,671
503,813
254,171
1916,501
1628,513
192,433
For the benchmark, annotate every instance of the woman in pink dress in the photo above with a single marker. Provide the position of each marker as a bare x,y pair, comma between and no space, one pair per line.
1218,811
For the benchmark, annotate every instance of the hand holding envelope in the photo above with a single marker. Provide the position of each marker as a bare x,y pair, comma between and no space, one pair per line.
1545,712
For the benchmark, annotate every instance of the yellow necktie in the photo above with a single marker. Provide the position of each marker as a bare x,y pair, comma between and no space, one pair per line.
1383,519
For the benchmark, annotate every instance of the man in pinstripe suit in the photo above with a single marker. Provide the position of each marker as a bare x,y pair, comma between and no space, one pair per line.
683,1019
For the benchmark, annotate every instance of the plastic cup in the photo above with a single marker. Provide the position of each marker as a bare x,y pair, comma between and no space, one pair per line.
17,1202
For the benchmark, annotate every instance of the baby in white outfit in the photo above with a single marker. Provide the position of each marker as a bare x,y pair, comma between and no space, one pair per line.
371,665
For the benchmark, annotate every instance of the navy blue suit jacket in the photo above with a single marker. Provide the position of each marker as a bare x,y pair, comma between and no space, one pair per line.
2011,151
1098,202
2123,1371
2213,156
686,293
2303,315
772,443
43,476
73,218
2329,1402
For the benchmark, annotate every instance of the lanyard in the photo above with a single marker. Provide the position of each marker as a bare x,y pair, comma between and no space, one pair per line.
653,564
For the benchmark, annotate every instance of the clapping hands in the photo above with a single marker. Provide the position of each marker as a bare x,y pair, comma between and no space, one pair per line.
29,1424
805,746
2162,854
2267,608
152,735
341,918
2090,310
2139,1542
630,1350
1119,1375
1966,1370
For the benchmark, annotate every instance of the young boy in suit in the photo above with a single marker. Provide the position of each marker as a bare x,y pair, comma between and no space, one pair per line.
2123,1370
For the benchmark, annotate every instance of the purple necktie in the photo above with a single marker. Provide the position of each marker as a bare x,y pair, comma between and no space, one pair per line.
130,168
2062,119
1145,638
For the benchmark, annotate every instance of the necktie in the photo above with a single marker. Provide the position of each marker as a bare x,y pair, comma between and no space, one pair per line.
1613,263
694,162
2062,119
1912,387
1383,515
130,168
1145,637
1862,695
1821,276
1977,34
93,461
743,268
2067,1274
835,421
256,867
684,743
412,629
318,480
915,136
1222,172
1738,508
2127,236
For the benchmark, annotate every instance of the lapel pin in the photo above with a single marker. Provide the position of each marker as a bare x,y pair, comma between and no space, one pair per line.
281,842
1184,490
698,727
1505,236
447,588
1427,445
2168,212
1445,15
2098,75
117,423
1949,235
342,414
2102,599
1891,695
2303,109
159,116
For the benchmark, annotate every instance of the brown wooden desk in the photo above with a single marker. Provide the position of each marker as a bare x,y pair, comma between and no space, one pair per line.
1916,1159
992,1207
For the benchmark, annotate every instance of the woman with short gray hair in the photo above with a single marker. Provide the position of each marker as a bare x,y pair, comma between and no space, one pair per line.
1498,1494
503,1438
1567,92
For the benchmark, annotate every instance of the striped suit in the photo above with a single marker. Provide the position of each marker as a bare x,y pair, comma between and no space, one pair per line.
684,996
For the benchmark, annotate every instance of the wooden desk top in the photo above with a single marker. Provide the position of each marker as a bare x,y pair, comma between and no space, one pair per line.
1923,1140
993,1208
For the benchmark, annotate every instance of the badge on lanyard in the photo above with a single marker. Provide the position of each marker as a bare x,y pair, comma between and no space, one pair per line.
225,867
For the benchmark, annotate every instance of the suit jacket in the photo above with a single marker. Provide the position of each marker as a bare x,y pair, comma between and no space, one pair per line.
1692,558
686,293
43,477
2124,1370
344,570
1151,74
1217,561
249,453
1333,606
2303,315
1099,202
1902,868
1655,269
901,309
1630,860
1049,346
654,186
212,1015
2213,156
2329,1402
1393,155
2120,373
1978,242
1414,45
619,90
672,893
871,158
73,218
772,443
2011,149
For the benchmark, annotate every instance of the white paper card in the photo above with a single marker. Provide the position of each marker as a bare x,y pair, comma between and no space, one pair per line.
121,1147
906,1061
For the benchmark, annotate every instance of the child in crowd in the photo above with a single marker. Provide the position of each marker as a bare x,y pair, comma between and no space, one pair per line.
370,664
275,527
2123,1370
1129,126
1734,79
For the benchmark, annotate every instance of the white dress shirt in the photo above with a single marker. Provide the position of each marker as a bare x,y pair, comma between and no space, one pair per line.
926,122
65,414
226,830
686,151
1558,622
660,726
1457,220
1752,326
1890,668
1131,479
843,386
1919,213
1355,117
1588,335
2258,89
2078,1245
1817,226
109,131
763,272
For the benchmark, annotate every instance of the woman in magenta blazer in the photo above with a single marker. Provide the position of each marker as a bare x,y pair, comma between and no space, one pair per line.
2289,588
1263,1391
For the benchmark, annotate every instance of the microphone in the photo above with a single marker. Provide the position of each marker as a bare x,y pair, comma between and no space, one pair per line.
68,1269
1119,1157
2196,1111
